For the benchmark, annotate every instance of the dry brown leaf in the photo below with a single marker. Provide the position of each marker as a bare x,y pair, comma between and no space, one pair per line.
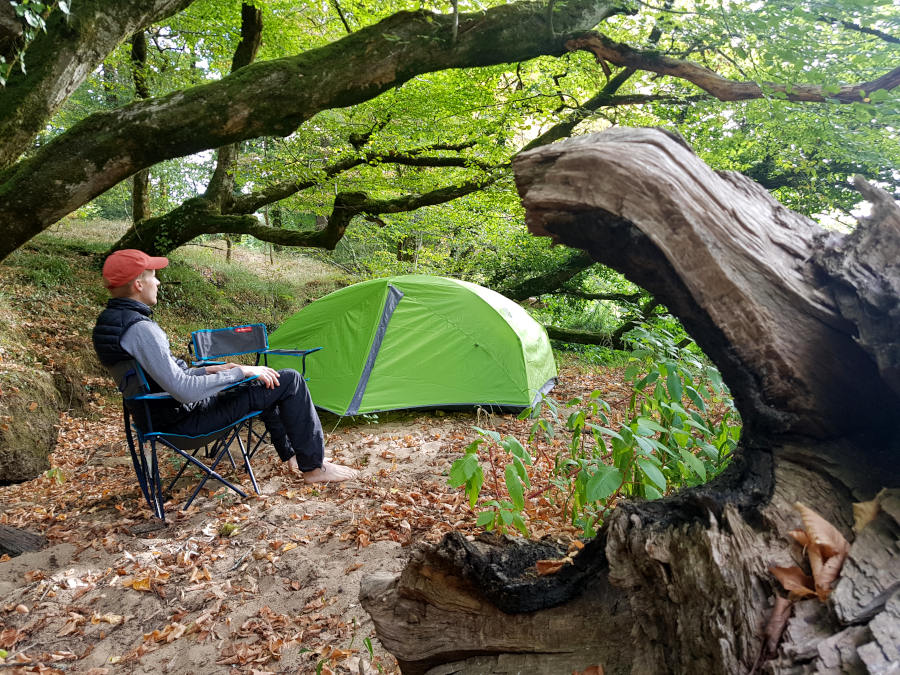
800,537
781,612
200,574
827,550
794,580
821,532
112,619
864,513
546,567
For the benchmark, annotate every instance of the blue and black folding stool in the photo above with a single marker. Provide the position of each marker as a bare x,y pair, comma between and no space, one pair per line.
210,345
143,441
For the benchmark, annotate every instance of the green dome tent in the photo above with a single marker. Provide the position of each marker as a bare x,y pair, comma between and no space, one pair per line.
418,341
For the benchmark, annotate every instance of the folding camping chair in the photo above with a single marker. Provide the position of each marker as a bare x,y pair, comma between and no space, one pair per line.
209,345
143,442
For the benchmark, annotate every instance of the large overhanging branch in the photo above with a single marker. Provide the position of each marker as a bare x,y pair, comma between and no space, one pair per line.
256,200
720,87
273,98
348,205
198,216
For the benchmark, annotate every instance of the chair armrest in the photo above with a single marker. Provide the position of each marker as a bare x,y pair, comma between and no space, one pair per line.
201,364
158,396
291,352
299,353
239,382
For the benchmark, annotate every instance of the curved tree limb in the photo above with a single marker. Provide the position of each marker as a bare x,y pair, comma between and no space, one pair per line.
270,98
158,236
577,262
720,87
778,379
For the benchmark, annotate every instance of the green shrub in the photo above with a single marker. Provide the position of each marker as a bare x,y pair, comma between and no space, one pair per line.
681,429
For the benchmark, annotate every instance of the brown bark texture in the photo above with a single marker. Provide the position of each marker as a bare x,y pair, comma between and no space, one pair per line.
804,326
62,57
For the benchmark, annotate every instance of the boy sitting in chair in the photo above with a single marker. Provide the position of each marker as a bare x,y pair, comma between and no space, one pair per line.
125,331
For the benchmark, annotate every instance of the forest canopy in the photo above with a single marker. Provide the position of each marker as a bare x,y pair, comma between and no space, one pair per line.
392,125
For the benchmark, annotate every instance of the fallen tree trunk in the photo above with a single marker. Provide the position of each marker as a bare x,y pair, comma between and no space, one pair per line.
805,327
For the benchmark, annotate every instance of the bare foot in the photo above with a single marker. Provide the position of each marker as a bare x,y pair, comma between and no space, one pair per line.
330,473
293,467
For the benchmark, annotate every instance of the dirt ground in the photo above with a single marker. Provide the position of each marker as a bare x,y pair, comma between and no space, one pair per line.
263,584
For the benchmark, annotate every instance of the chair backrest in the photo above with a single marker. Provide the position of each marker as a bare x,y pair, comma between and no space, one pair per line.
214,343
131,378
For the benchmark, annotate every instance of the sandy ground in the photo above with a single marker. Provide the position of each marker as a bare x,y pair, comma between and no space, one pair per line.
263,584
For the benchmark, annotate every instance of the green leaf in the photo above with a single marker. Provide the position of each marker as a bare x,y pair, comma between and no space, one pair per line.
649,378
512,446
485,518
694,462
632,370
697,425
489,433
695,398
473,486
605,481
607,432
647,426
644,444
520,470
463,469
514,485
673,384
519,523
650,491
652,472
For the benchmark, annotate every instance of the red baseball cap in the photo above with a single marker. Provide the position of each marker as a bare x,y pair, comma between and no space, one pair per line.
126,265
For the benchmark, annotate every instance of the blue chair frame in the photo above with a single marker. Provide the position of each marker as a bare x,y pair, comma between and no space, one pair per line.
209,345
143,442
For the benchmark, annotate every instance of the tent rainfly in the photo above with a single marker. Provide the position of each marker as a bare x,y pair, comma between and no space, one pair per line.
418,341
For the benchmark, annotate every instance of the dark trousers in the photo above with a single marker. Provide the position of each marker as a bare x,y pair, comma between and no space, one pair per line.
287,412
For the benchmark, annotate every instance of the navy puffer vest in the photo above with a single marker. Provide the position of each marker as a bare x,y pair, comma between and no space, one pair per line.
120,314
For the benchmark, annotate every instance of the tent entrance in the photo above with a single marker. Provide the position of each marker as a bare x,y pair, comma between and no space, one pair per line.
394,295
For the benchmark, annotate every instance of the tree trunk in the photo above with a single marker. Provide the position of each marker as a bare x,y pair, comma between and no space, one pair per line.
62,57
803,325
140,183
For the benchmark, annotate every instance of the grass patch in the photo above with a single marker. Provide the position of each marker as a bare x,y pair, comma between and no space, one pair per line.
51,293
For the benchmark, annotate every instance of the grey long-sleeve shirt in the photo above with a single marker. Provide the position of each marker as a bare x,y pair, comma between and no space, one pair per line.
149,345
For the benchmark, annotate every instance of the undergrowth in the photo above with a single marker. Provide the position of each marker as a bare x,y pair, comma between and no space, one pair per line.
680,429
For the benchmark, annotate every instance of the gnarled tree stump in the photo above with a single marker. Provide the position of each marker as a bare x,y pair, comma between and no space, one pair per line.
805,327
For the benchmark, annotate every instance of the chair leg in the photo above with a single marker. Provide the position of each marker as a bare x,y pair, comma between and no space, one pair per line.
210,471
156,485
247,461
147,471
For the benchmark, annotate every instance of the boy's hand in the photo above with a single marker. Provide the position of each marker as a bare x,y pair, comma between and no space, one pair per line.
266,375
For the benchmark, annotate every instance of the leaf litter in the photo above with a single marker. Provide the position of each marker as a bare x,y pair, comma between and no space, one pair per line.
265,584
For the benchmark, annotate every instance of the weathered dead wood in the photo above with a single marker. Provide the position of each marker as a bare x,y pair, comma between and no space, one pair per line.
791,316
429,615
14,541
